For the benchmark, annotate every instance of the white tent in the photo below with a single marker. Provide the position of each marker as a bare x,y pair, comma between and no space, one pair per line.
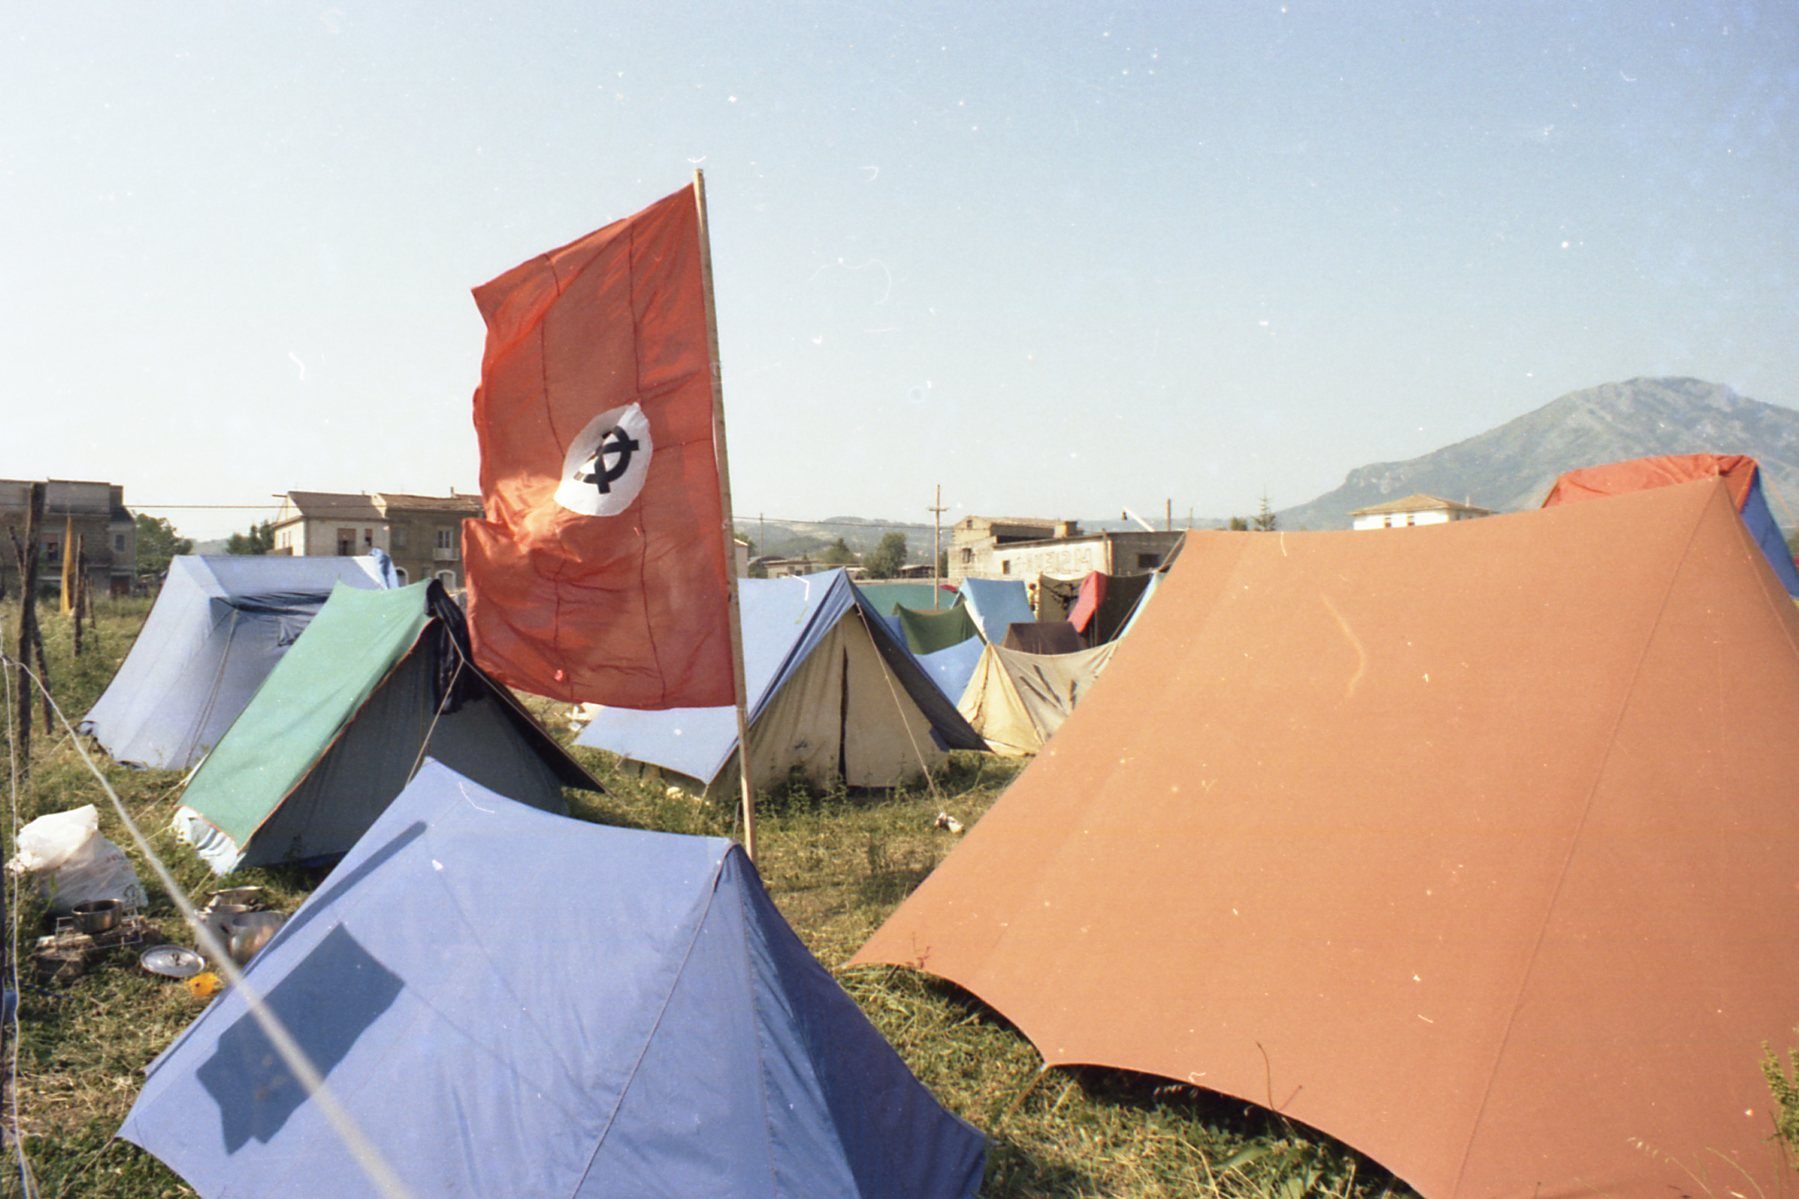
834,696
1017,700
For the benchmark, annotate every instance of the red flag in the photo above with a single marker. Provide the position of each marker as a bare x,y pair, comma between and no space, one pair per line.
599,571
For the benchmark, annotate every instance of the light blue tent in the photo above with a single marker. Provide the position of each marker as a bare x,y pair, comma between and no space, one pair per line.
1149,589
996,605
951,668
513,1003
219,626
833,695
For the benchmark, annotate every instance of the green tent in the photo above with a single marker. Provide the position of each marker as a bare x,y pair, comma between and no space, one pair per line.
378,681
928,632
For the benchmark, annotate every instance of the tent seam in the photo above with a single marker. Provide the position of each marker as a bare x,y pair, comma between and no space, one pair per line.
768,1123
655,1025
1611,741
212,694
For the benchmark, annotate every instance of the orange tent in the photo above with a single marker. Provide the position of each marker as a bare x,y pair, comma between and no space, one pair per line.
1740,472
1616,478
1477,848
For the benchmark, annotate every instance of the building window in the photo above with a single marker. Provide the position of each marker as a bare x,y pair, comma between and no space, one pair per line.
118,543
368,539
346,542
400,574
1005,566
52,550
445,539
1148,561
398,536
448,579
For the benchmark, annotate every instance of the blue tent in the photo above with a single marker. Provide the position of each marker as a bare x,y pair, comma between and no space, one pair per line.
1767,536
219,626
509,1002
1155,581
997,604
833,694
951,668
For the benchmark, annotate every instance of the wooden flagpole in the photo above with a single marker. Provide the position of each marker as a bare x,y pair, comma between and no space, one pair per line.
730,529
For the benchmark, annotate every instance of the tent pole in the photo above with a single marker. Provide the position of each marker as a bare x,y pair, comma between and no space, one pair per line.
735,618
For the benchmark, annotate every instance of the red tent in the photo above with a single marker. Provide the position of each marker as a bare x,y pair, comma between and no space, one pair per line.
1741,474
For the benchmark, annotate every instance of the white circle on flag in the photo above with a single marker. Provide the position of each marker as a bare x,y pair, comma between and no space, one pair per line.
606,463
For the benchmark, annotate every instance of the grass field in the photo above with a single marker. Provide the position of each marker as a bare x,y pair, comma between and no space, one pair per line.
835,864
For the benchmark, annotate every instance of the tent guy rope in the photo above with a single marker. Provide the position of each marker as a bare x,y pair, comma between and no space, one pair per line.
368,1159
15,887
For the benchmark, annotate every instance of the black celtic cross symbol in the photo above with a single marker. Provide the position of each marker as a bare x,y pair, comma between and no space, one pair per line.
595,470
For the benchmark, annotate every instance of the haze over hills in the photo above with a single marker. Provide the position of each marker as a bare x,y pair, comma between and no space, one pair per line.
1512,466
1506,468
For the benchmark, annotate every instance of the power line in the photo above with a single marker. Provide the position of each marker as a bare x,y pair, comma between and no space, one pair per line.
363,511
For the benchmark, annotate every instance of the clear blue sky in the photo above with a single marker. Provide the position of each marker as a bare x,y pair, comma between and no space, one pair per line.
1058,259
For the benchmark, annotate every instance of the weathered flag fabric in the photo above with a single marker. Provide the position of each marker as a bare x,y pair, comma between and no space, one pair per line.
598,573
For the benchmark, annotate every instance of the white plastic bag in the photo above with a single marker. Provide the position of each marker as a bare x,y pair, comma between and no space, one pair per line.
49,841
73,862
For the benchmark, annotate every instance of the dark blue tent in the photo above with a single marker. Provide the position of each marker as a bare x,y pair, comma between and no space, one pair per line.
512,1003
219,626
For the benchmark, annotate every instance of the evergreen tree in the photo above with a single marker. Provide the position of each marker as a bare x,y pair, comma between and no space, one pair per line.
1265,520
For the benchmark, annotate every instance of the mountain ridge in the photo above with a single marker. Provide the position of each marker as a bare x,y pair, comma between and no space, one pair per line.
1512,465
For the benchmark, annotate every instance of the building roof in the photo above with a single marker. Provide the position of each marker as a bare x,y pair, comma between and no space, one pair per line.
1029,522
468,505
335,505
1420,502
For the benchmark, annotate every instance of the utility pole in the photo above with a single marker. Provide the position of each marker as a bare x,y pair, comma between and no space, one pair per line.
29,637
936,546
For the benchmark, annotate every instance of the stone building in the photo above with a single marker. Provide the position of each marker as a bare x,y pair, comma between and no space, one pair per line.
75,511
421,533
986,547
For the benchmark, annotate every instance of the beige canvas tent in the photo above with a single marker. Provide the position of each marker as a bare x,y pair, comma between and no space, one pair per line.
835,696
1475,846
1017,700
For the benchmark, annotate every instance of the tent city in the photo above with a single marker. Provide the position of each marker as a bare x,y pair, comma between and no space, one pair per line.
414,793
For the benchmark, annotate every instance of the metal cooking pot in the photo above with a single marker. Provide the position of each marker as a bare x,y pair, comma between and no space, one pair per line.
97,915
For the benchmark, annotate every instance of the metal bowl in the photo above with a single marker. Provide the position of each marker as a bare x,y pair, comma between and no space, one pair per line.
247,934
97,915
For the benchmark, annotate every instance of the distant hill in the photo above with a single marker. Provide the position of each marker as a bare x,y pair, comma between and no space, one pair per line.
791,538
1512,466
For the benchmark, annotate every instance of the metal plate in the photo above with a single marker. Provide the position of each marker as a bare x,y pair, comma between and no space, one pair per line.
172,961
